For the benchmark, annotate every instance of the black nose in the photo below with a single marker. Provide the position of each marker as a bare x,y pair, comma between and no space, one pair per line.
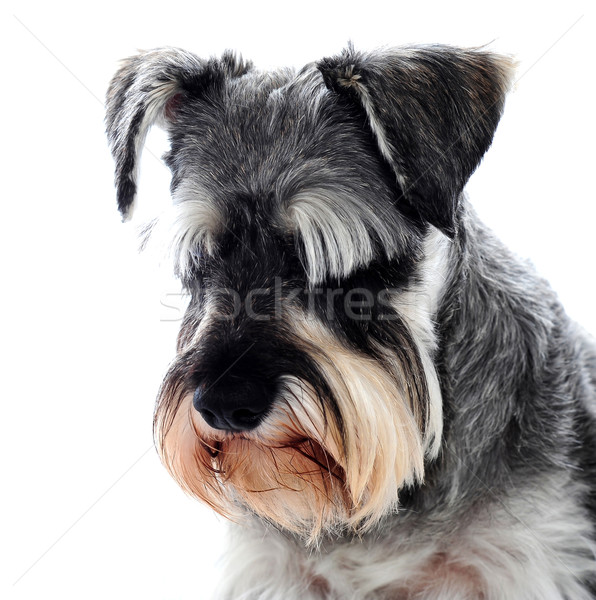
233,409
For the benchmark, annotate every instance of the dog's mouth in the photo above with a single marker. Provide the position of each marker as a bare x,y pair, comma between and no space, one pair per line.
215,449
285,470
280,450
288,482
300,458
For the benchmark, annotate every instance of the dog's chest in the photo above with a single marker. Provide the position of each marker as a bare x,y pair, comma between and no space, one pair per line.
416,575
528,549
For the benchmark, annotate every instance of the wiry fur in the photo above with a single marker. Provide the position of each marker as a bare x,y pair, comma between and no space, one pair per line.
386,402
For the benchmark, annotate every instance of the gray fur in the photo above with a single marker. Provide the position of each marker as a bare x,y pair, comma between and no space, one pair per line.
375,150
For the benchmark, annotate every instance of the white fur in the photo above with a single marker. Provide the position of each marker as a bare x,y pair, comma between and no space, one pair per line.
335,230
527,547
188,226
418,306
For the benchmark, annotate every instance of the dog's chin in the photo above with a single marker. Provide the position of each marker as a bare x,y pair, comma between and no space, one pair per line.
277,471
295,470
295,483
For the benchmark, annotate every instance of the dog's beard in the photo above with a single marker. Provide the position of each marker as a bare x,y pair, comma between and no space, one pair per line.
323,459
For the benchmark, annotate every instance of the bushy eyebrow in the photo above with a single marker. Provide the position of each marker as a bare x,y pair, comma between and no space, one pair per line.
338,232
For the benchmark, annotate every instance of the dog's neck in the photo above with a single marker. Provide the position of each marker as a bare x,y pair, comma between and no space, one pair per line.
489,286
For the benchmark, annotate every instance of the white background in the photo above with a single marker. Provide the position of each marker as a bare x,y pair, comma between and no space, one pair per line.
87,510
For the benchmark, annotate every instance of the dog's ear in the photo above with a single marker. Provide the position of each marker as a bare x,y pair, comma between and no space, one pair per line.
149,89
433,112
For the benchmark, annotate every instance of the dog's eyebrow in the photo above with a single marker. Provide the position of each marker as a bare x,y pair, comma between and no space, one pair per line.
338,230
189,227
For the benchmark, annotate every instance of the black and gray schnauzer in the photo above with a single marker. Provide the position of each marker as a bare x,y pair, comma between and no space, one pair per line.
385,401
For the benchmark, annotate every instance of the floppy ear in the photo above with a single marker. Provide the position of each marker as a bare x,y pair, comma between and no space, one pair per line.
149,88
433,111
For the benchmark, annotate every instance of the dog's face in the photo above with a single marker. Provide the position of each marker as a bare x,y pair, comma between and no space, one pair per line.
311,223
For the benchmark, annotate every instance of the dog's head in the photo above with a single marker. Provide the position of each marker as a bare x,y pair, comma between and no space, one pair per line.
311,224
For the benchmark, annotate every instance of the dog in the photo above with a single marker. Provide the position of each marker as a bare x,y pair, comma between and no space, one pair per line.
383,400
